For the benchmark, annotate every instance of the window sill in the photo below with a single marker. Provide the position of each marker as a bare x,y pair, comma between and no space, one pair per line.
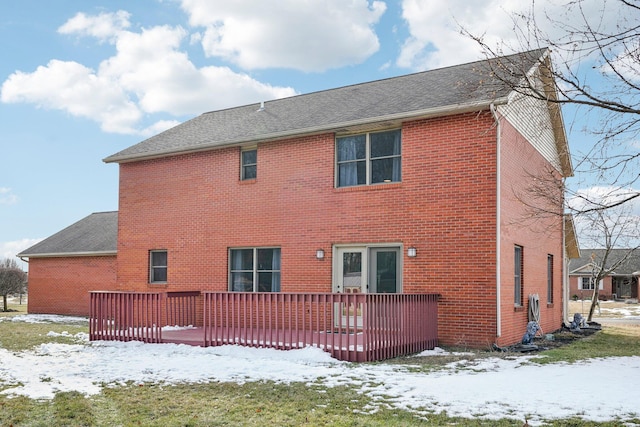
549,305
248,181
158,284
518,308
372,187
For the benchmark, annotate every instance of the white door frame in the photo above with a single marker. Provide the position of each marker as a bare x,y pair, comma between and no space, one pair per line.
338,272
367,251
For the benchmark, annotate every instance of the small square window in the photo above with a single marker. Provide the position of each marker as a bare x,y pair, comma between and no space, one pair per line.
249,163
158,266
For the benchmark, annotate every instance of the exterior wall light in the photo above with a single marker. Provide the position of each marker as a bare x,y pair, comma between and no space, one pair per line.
411,252
320,254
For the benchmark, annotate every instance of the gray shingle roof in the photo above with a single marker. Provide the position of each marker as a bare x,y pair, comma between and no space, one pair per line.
628,267
96,234
469,87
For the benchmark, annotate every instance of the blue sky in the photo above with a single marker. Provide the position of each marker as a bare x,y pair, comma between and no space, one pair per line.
83,79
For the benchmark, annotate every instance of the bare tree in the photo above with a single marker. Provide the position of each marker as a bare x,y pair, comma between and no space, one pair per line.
597,71
12,280
609,230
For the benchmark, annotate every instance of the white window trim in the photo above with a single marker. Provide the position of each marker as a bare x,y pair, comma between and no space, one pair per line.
367,247
600,284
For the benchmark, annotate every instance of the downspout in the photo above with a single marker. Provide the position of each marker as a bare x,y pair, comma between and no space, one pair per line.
494,112
565,260
565,272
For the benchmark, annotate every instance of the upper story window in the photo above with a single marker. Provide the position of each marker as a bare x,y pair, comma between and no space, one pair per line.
369,158
158,266
249,163
254,270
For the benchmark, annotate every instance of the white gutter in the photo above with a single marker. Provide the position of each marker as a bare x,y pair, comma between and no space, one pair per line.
498,219
413,115
67,254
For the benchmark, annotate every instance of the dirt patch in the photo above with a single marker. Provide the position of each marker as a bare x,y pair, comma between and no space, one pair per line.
566,336
551,340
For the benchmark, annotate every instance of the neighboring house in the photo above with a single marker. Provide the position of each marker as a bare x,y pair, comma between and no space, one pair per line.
572,251
622,283
411,184
65,267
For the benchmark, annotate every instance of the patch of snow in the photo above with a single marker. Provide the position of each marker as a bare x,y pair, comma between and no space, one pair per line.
489,388
178,328
44,318
80,336
441,352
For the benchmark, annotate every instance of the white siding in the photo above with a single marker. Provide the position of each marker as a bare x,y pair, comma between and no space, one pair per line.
531,117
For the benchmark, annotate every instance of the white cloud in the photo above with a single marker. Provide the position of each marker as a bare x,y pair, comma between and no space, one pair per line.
11,249
150,65
76,89
313,35
148,74
435,26
597,196
622,222
7,197
104,26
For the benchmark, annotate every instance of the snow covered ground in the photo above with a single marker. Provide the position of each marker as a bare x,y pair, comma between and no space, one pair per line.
598,390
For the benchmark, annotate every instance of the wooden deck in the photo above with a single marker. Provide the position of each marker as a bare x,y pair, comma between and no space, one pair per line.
353,327
271,339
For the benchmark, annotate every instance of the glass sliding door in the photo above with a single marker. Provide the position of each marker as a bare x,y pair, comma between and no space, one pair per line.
385,271
364,269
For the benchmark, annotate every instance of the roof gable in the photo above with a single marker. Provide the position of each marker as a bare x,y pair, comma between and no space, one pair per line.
97,234
583,265
456,89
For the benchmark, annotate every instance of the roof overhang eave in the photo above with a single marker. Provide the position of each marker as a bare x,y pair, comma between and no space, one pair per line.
66,254
413,115
572,246
557,121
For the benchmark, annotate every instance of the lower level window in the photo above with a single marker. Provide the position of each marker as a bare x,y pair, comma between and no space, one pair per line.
255,270
158,267
518,264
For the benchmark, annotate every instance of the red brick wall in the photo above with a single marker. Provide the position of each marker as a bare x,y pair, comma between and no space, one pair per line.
539,233
605,292
196,207
62,285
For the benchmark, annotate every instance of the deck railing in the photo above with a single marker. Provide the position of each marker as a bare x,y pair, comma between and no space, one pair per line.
126,316
182,308
354,327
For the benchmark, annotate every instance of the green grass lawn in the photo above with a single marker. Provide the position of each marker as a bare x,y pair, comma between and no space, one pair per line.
256,403
14,309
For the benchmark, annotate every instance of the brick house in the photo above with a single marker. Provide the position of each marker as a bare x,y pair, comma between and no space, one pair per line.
408,185
65,267
621,283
